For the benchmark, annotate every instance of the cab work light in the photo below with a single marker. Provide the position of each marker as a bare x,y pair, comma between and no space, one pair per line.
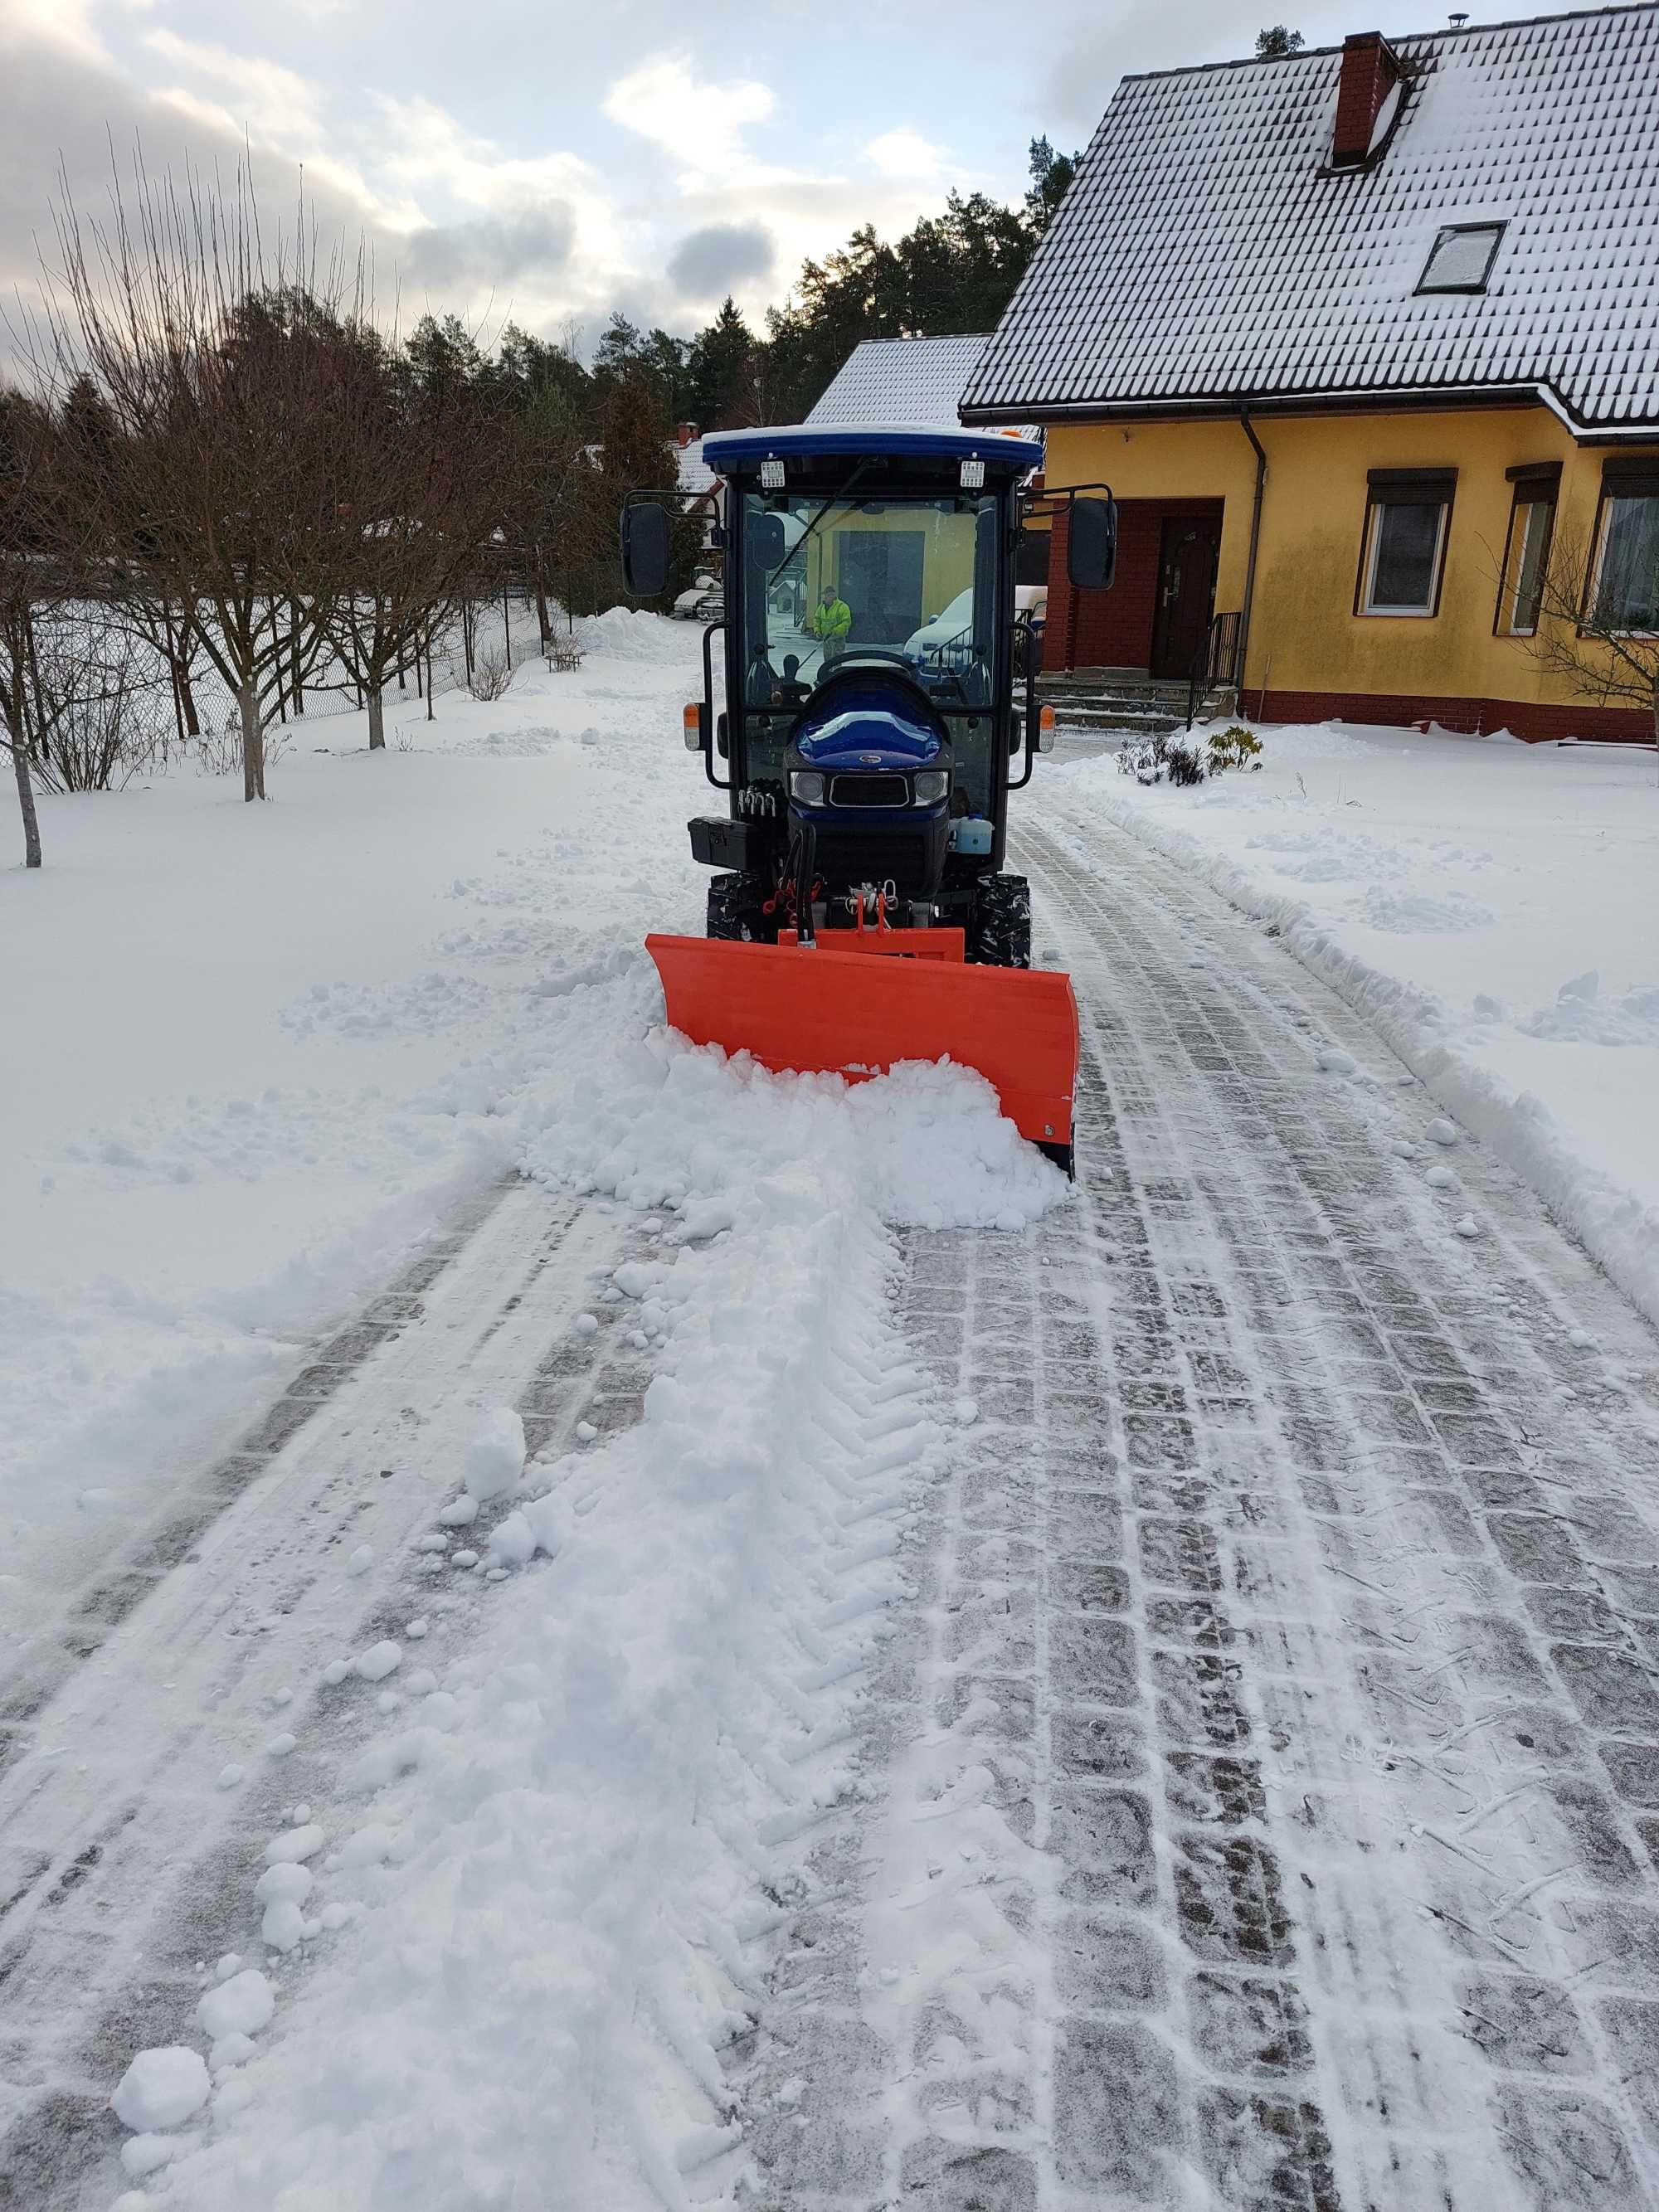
972,477
772,476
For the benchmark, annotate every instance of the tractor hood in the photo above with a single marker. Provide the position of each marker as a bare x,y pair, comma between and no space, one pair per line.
868,718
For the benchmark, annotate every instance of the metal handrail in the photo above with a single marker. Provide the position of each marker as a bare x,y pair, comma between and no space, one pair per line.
1215,661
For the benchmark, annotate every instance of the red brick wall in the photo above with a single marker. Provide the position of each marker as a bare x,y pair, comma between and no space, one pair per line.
1521,718
1112,630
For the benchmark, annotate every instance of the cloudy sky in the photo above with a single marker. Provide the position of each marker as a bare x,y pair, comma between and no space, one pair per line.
551,162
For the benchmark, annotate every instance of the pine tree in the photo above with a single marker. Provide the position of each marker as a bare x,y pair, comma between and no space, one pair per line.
1051,178
719,371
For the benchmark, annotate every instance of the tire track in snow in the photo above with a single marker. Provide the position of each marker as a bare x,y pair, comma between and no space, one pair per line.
122,1863
1390,1655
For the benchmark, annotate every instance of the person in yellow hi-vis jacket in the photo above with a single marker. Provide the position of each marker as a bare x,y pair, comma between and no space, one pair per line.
830,620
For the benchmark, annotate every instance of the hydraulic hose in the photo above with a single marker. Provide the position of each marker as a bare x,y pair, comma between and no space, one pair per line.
806,839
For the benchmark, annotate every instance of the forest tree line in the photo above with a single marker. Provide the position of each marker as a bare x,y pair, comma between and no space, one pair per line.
218,456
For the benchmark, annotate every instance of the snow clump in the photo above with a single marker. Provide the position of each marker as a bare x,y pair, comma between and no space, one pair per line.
161,2088
494,1459
242,2006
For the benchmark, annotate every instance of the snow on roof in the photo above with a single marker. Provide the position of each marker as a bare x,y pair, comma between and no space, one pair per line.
912,380
733,448
695,474
1204,254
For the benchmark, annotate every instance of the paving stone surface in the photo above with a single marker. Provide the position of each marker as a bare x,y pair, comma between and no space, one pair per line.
1262,1798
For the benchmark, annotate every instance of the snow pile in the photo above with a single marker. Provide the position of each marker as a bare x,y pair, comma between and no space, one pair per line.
1415,913
1439,881
630,633
1581,1015
669,1122
594,1814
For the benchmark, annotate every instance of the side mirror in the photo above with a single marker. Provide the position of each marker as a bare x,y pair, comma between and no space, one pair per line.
766,541
645,549
1092,544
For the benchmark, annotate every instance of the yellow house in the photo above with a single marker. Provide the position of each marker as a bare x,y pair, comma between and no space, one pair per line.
1365,341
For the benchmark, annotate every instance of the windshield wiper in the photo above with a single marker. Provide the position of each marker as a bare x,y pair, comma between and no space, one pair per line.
834,500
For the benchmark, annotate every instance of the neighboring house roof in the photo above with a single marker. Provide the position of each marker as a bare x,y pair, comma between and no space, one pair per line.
695,477
1205,256
912,380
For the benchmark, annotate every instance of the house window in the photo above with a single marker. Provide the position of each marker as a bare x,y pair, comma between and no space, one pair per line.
1403,553
1526,549
1460,259
1626,594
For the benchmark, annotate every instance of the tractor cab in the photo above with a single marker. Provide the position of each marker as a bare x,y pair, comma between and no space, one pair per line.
879,692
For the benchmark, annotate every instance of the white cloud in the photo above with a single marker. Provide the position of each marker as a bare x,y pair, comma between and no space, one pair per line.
65,25
701,125
905,154
283,104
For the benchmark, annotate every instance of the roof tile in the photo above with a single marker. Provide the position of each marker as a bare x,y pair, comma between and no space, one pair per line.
1204,254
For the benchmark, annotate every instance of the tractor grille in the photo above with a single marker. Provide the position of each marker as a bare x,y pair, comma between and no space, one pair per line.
846,857
869,790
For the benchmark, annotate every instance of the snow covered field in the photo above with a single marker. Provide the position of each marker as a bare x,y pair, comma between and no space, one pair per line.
261,1045
1492,907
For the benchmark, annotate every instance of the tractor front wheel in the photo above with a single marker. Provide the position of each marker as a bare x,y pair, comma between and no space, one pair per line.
999,929
735,910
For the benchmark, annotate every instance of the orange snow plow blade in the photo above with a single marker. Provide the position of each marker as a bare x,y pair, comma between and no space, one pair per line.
855,1013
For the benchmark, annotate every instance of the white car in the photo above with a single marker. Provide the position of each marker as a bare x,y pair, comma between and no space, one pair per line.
704,602
950,625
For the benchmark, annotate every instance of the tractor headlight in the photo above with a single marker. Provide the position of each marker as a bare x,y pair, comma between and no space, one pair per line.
807,785
930,785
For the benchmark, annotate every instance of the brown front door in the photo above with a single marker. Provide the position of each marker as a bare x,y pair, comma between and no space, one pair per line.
1187,558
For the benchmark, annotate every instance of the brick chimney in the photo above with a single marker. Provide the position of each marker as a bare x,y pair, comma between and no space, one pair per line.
685,434
1371,70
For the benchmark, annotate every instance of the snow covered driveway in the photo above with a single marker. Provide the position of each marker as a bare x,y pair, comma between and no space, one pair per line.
1270,1780
1249,1803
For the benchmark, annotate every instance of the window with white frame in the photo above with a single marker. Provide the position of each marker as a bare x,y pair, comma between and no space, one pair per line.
1626,593
1403,554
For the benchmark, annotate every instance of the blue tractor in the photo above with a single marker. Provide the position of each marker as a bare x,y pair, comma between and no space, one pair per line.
880,707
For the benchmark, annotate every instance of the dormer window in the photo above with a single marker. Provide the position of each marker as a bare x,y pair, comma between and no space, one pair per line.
1460,259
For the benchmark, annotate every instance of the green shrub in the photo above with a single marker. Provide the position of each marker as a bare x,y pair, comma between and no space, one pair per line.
1234,747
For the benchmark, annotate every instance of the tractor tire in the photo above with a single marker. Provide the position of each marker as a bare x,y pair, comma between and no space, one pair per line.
735,904
999,929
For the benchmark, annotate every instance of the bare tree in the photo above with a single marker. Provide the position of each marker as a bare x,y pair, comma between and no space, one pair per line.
33,576
1595,623
423,473
220,363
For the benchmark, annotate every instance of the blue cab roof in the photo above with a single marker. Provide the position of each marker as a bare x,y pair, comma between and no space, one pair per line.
730,449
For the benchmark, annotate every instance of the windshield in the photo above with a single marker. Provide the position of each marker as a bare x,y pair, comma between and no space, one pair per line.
911,580
914,577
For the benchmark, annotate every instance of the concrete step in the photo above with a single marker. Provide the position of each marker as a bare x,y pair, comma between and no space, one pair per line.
1135,721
